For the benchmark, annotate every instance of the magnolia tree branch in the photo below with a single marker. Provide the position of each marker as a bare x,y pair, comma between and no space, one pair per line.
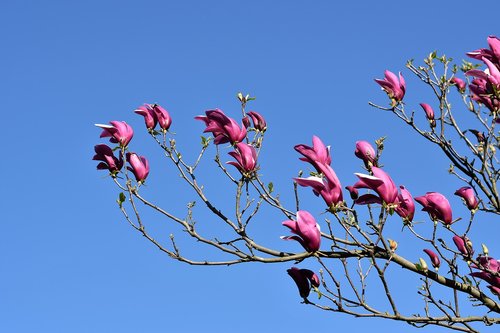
358,261
483,177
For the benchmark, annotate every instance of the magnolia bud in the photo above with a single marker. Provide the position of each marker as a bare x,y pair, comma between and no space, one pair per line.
393,245
422,265
485,250
240,97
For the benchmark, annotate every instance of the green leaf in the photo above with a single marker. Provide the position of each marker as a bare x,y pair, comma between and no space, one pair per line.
270,187
121,199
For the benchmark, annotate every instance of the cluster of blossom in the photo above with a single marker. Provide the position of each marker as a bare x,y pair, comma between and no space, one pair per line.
324,183
223,128
385,192
489,271
485,89
489,268
226,130
121,133
328,187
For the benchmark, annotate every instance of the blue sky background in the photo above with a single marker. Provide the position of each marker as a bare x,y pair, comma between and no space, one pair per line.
69,261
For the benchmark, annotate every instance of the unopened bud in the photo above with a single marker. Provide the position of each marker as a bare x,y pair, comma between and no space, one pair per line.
422,265
240,97
485,250
393,245
468,243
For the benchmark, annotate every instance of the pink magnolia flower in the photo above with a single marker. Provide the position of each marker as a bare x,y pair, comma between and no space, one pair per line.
139,166
490,267
429,113
109,161
381,183
303,278
306,230
485,85
467,194
394,88
316,155
436,262
245,156
329,187
119,132
488,264
459,83
223,128
464,245
365,151
493,280
490,278
437,206
492,74
333,183
483,92
149,115
259,123
406,205
164,119
492,54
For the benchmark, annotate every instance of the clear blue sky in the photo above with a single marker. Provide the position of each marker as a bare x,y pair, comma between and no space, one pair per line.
69,261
